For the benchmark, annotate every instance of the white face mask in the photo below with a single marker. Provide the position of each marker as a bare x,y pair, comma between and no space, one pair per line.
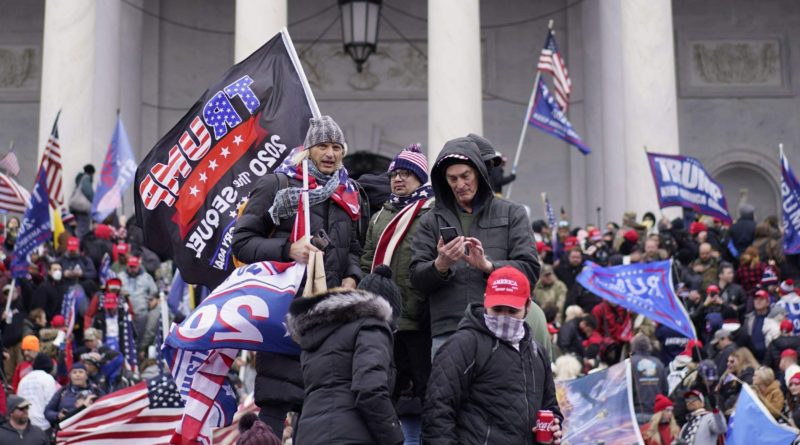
57,275
506,327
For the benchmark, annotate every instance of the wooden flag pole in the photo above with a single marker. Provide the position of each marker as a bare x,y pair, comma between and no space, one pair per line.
528,112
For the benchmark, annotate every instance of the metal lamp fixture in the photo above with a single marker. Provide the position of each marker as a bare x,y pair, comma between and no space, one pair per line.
360,28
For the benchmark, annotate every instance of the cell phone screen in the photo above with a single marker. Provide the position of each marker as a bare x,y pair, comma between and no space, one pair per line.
448,234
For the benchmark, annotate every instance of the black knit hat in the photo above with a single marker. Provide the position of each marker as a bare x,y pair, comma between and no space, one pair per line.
379,282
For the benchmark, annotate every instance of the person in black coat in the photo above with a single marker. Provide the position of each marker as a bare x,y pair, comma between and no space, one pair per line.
49,295
258,237
346,367
570,340
490,379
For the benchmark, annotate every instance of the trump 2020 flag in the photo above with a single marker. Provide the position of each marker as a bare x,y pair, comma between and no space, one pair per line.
751,423
35,228
116,174
548,117
189,186
642,288
790,195
682,181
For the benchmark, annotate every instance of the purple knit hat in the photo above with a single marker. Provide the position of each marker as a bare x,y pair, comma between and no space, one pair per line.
413,160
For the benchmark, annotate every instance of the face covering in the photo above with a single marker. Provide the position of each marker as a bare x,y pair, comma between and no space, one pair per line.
506,327
57,275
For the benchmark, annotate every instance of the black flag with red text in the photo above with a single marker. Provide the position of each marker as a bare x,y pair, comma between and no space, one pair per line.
189,186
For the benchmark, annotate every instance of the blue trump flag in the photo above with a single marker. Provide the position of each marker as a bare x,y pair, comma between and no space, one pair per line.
642,288
682,181
548,117
246,311
116,175
751,423
35,228
790,197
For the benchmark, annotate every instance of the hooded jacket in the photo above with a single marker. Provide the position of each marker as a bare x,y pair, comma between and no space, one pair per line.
501,226
482,390
346,365
743,231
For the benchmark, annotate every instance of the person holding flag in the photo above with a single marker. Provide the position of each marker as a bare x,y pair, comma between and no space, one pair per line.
262,234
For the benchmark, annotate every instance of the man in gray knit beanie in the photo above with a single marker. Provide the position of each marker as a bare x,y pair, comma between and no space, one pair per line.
325,144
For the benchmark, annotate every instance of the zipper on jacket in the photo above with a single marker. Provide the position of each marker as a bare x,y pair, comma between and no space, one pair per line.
488,433
525,387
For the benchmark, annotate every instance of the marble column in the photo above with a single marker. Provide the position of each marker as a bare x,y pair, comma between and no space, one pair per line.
455,106
256,22
631,101
80,77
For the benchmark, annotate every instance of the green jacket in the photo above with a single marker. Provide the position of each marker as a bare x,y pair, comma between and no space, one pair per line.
413,300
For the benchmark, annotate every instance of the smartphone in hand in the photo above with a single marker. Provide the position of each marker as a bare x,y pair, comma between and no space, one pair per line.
448,234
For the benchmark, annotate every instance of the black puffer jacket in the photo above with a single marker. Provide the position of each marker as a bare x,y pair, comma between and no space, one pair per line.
743,231
346,361
501,226
482,390
257,239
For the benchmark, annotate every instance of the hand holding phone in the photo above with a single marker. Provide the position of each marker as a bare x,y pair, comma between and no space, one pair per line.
448,234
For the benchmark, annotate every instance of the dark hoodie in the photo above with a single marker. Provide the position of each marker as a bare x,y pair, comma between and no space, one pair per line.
502,227
743,231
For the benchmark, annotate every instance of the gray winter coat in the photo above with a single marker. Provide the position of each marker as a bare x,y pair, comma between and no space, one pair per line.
709,430
502,227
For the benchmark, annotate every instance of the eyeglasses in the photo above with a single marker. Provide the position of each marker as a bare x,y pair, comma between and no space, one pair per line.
23,408
403,174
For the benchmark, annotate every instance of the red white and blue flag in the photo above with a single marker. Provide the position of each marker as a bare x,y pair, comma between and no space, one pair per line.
790,206
189,186
551,62
13,197
51,163
35,228
551,222
116,175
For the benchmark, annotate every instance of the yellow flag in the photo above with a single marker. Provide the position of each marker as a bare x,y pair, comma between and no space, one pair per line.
58,226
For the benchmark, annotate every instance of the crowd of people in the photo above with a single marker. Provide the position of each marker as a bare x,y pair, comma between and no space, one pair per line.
449,318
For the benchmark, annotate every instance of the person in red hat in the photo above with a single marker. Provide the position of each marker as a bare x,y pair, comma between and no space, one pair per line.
788,364
120,253
105,305
787,340
662,428
490,379
759,326
77,267
138,285
702,427
793,398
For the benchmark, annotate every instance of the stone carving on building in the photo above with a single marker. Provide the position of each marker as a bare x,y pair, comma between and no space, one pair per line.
395,71
19,68
733,67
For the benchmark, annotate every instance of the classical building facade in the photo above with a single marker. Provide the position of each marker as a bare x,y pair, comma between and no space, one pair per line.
709,79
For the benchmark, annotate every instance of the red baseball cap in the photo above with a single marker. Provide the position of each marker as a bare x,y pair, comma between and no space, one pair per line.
687,351
542,247
73,244
631,236
110,300
114,283
133,261
57,321
712,289
697,227
507,286
789,353
795,378
761,293
786,325
570,242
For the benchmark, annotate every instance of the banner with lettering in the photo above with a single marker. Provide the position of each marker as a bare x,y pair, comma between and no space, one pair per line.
682,181
189,186
642,288
790,204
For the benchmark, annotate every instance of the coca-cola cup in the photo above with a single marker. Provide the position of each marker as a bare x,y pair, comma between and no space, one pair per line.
544,420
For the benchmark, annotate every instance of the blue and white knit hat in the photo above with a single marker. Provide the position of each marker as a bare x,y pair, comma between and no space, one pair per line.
413,160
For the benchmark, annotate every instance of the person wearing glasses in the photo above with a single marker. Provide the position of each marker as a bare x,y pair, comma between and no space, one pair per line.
18,428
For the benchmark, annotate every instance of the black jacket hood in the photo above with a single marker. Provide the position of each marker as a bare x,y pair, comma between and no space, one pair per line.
312,320
465,149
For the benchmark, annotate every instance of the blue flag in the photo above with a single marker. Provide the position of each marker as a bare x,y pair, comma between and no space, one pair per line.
116,174
683,182
548,117
790,195
246,311
642,288
35,228
751,423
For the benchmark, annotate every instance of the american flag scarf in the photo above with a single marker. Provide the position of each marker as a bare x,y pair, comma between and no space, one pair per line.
395,231
345,195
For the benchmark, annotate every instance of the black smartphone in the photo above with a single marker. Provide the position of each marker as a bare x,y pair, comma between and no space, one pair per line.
448,234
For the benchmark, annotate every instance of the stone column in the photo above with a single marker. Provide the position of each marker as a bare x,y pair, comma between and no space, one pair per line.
631,101
256,22
80,76
455,105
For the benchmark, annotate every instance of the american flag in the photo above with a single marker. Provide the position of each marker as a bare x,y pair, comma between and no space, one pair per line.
129,343
105,272
550,61
10,163
51,162
551,222
13,198
147,412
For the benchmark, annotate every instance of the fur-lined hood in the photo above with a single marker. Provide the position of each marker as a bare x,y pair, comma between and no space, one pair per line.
331,310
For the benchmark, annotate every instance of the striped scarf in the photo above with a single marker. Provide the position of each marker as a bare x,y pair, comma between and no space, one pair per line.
320,188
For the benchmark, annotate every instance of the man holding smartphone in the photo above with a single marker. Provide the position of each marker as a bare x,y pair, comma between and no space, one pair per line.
491,232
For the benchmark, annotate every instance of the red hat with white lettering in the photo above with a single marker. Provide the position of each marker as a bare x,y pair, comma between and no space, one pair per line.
507,286
73,244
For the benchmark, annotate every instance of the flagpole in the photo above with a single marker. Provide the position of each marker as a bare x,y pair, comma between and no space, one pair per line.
528,112
544,206
8,314
306,216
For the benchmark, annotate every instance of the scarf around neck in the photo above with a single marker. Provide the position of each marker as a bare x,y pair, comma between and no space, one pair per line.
401,202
